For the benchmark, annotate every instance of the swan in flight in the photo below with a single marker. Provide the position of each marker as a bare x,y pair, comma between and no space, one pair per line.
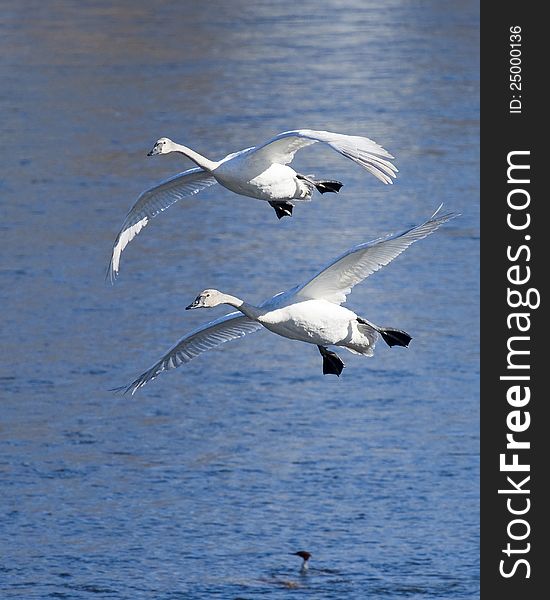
259,172
310,312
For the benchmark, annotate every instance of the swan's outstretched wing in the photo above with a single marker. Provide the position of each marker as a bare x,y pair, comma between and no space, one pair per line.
335,281
153,201
206,337
371,156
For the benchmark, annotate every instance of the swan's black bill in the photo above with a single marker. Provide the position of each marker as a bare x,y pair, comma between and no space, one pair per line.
153,152
195,304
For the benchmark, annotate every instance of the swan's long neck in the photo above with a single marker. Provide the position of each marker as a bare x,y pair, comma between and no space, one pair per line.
198,159
249,310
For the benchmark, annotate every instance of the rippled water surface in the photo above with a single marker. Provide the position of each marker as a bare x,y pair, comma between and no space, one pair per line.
203,483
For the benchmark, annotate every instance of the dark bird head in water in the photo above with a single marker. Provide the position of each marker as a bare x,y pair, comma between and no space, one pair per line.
302,554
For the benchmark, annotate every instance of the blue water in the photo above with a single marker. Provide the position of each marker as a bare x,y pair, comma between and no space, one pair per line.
202,484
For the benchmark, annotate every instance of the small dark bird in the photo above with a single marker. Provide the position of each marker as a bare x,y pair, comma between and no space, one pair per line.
305,556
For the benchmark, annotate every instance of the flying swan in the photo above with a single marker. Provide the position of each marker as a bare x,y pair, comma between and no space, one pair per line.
259,172
310,312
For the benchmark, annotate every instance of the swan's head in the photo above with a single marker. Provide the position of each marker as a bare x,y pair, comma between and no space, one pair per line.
207,299
162,146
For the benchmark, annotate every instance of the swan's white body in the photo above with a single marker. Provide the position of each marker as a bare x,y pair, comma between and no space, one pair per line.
271,182
308,313
318,322
260,172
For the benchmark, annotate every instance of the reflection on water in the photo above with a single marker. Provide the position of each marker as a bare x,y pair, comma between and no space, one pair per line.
201,485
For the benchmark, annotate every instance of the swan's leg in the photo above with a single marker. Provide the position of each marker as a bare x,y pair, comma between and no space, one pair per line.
392,337
332,363
282,209
327,185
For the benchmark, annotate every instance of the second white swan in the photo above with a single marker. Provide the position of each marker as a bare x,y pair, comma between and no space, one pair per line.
310,312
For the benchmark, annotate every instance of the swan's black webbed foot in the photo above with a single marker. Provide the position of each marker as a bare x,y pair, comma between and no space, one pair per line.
392,337
395,337
328,186
282,209
324,186
332,363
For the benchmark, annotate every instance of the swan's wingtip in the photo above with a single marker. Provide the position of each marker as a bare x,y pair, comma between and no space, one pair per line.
121,389
448,216
131,388
111,272
111,275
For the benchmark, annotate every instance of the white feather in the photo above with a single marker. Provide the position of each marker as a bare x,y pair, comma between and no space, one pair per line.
206,337
335,281
152,202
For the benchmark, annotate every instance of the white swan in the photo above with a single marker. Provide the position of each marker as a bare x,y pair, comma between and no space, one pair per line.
309,313
258,172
